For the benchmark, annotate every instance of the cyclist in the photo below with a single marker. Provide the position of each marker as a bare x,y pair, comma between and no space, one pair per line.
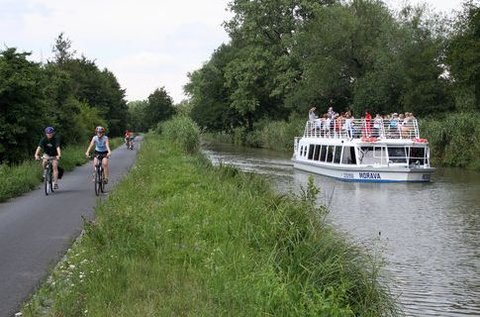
102,147
50,145
128,138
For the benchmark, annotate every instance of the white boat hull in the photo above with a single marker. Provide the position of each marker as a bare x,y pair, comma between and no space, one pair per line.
367,173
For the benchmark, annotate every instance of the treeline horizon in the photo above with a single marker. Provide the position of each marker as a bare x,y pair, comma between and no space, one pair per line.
285,56
69,93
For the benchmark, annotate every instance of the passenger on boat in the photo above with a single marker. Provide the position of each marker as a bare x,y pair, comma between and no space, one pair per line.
377,125
326,125
339,121
330,112
311,114
393,126
406,126
349,125
368,123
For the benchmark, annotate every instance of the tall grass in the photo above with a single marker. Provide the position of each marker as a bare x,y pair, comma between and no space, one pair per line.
21,178
183,132
18,179
454,140
194,240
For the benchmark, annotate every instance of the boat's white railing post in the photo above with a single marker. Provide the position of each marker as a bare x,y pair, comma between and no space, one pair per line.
381,132
416,129
307,127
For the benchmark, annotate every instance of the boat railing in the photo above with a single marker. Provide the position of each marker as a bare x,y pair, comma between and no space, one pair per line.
345,128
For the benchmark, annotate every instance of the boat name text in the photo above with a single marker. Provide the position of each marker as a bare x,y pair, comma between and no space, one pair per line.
369,175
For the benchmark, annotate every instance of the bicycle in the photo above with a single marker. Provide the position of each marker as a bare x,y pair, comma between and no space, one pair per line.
48,175
99,175
129,143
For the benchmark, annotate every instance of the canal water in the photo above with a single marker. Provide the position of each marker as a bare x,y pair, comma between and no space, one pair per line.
427,234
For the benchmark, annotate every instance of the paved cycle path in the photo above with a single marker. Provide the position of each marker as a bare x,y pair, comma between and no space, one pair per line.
36,230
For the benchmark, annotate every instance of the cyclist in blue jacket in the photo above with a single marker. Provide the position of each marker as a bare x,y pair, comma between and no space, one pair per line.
102,147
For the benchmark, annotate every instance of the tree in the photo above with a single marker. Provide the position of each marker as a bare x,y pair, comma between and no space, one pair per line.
160,108
463,55
23,110
209,94
137,115
62,50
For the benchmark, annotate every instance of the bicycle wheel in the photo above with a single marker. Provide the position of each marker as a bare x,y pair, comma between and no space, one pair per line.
46,182
50,181
98,181
102,184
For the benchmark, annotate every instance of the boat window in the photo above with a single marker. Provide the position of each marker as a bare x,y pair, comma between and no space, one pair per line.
380,154
330,153
397,155
310,151
372,155
338,154
323,153
417,156
317,152
349,155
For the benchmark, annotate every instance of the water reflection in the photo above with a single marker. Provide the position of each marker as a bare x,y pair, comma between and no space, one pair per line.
428,232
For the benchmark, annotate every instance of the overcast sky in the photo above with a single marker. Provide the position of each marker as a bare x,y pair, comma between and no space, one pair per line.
147,44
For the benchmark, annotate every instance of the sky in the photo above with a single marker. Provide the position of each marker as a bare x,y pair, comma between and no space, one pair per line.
147,44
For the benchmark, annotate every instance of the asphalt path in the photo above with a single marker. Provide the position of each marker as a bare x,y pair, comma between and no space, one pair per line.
37,230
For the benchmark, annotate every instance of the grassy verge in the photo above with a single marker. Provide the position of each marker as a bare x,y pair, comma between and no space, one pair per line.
18,179
193,240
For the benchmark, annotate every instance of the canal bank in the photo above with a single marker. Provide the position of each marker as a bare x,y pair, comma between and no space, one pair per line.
427,233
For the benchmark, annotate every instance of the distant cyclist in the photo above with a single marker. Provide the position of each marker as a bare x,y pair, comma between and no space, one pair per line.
102,148
50,145
128,138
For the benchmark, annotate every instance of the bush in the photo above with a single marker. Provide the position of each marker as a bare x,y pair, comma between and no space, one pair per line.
454,140
183,132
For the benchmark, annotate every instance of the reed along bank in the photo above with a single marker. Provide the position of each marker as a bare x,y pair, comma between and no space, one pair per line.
180,237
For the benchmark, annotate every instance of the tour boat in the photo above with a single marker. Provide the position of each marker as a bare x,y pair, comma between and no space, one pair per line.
363,151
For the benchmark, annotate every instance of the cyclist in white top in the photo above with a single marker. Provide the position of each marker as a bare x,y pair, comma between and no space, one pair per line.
102,149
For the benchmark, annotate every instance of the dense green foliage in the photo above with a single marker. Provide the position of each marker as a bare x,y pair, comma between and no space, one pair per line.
70,94
146,114
455,140
286,55
464,57
194,240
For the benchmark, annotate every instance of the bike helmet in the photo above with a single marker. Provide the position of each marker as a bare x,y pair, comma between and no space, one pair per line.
100,129
49,130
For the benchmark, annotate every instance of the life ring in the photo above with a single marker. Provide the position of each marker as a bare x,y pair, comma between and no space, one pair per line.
369,139
420,140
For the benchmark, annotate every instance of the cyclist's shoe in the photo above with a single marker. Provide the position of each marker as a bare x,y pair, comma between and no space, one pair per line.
55,186
105,180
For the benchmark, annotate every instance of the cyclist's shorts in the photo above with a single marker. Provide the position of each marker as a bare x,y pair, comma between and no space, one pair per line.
102,154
